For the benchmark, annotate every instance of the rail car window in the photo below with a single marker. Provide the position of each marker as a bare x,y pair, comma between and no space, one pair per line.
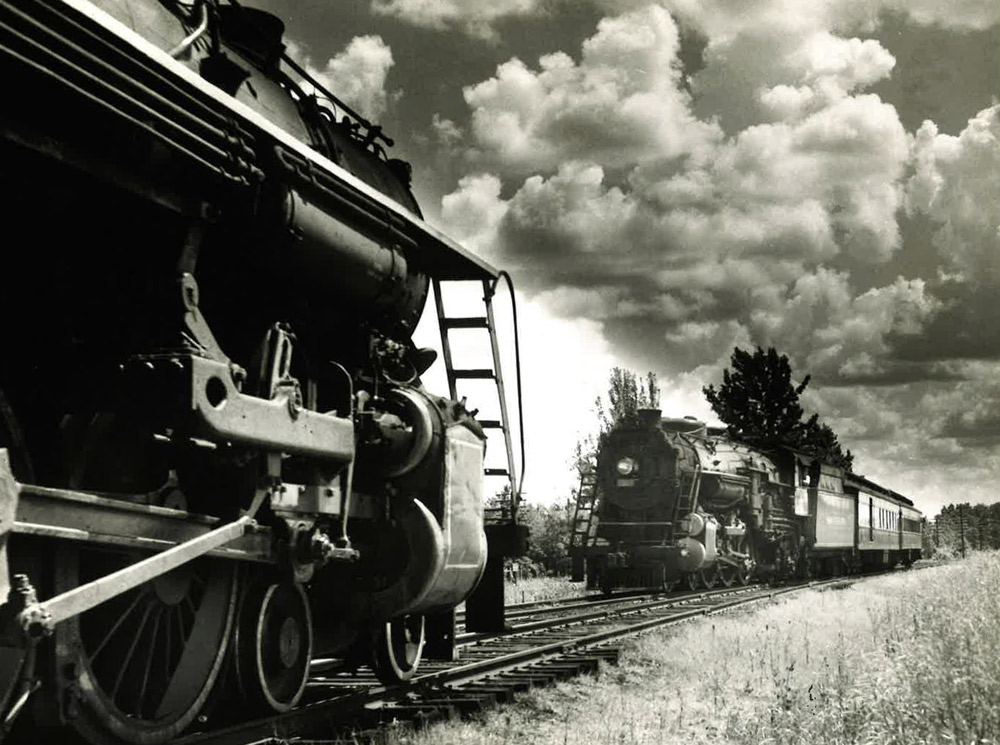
871,522
911,526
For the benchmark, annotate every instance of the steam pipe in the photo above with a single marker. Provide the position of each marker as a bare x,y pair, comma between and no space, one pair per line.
191,38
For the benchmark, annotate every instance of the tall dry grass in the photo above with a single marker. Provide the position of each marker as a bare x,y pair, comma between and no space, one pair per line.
909,658
537,589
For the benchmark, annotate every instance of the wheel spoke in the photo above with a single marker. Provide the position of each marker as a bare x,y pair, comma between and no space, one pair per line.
190,667
131,650
115,627
145,664
149,661
181,633
167,634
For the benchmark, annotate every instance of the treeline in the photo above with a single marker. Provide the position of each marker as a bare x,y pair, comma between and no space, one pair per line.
549,530
975,527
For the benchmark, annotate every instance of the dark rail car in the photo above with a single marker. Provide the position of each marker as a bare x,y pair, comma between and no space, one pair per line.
219,459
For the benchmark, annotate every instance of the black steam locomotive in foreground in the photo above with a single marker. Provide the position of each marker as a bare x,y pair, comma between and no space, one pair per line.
218,460
679,502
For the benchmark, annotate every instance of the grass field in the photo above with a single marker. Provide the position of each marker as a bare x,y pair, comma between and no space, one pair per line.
542,588
909,658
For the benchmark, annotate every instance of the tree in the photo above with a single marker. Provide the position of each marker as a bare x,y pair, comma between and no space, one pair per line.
584,456
819,440
757,400
549,530
977,524
759,404
626,395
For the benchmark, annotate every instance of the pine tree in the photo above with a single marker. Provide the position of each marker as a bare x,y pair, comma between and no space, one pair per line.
757,400
759,404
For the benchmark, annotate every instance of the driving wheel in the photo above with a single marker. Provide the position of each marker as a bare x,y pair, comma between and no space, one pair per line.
273,645
397,648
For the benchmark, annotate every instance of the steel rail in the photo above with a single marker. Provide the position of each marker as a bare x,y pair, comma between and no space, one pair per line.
598,609
359,696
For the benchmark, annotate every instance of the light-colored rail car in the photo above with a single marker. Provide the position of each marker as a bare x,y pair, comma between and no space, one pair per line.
888,526
911,531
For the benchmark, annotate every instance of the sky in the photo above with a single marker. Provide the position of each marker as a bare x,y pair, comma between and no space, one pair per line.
667,180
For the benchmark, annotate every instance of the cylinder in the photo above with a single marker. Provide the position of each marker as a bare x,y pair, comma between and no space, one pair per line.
695,523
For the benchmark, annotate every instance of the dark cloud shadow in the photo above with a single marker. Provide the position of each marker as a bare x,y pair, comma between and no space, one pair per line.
966,328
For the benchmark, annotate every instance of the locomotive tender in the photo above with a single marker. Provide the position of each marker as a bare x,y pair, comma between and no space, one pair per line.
218,460
678,501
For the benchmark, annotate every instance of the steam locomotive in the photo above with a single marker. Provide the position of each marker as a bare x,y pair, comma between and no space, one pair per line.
679,502
219,461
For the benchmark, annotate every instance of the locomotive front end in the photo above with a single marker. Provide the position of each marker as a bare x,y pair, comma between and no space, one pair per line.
641,479
675,504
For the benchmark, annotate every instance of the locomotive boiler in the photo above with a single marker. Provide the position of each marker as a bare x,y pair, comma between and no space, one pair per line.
219,459
674,501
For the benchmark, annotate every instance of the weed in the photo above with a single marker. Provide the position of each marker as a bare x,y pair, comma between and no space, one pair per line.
906,659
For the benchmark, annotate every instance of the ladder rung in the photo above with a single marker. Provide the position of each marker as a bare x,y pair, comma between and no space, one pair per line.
481,374
490,423
466,322
496,472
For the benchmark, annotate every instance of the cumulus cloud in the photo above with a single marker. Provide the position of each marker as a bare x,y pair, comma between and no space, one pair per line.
723,19
649,219
478,18
475,17
622,103
356,75
473,213
447,134
840,337
744,206
955,184
957,14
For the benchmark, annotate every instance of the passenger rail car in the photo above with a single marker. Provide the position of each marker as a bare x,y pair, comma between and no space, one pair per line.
889,527
219,460
677,501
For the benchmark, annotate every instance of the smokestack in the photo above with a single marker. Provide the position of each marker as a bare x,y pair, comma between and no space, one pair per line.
649,418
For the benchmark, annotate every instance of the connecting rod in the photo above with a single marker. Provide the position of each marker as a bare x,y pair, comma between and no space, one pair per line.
38,619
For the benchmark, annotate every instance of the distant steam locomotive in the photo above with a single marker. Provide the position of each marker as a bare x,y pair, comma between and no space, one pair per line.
678,502
219,460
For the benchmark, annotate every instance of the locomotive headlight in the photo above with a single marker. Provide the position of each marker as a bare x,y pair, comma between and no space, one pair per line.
627,467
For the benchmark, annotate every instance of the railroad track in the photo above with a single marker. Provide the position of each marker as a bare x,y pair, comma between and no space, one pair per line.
547,642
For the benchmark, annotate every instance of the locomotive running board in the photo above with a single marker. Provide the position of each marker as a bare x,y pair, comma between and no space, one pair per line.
59,513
